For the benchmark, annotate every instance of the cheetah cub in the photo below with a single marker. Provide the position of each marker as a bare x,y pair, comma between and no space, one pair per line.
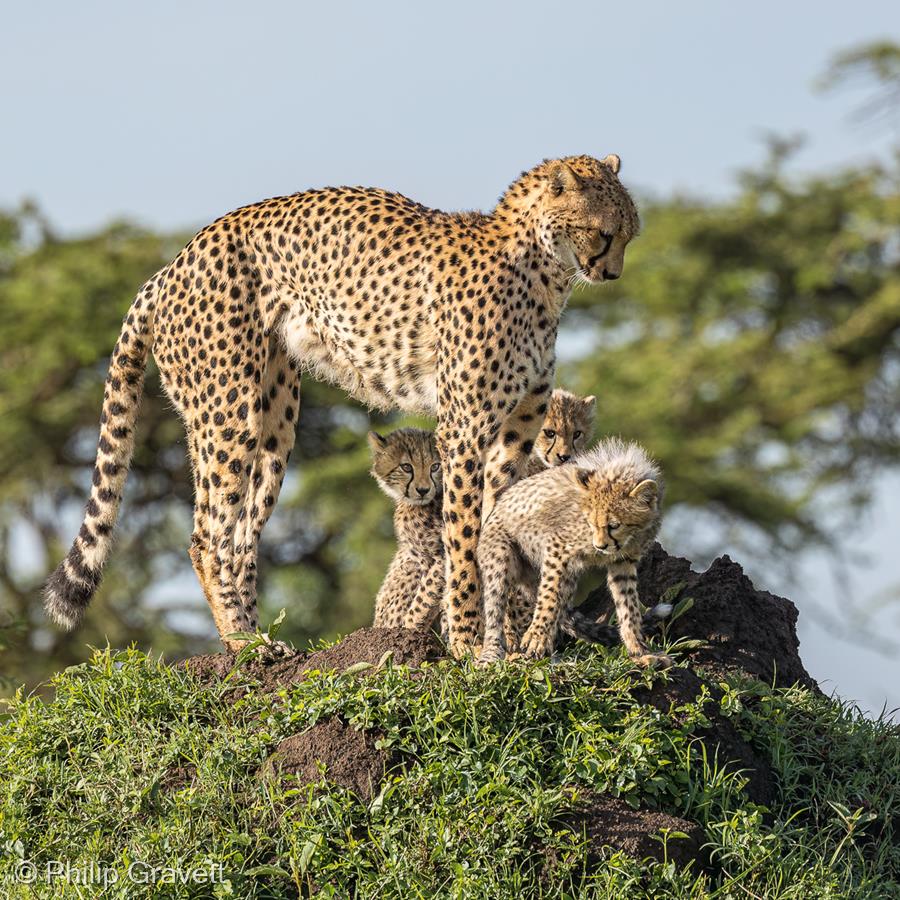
407,467
567,429
603,509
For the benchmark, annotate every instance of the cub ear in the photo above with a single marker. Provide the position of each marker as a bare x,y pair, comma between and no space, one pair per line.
647,492
376,441
612,162
563,178
589,403
583,476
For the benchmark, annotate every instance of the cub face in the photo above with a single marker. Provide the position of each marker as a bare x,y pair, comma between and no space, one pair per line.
619,512
589,217
406,465
567,429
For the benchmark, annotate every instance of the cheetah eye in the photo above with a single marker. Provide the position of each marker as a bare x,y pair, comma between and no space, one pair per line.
436,467
614,525
406,467
576,435
549,432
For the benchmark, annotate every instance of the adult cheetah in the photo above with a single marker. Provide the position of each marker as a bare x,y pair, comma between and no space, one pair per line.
452,315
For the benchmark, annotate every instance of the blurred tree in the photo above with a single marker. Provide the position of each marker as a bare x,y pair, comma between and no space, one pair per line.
875,63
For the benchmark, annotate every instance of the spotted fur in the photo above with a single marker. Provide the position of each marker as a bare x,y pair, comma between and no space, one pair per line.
407,467
401,306
601,509
412,589
566,430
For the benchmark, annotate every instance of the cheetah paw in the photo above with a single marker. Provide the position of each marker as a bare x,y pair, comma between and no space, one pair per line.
490,654
657,660
461,648
536,646
272,650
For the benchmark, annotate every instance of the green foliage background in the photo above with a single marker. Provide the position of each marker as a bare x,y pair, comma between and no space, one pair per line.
753,347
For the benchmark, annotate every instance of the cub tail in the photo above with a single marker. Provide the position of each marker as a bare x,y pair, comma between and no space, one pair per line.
69,589
582,627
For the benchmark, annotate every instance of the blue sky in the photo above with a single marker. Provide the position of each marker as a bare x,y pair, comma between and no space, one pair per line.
175,112
172,113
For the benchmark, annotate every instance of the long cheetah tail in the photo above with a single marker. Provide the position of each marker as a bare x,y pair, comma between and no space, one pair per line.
69,589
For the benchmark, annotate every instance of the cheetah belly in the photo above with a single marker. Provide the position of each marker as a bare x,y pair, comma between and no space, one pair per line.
387,377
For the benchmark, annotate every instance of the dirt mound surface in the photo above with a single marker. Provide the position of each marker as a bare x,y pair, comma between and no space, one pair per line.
610,822
679,687
366,645
746,629
178,777
350,757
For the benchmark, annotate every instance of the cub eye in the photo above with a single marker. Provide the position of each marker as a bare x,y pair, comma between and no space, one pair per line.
436,467
406,467
614,525
576,435
549,432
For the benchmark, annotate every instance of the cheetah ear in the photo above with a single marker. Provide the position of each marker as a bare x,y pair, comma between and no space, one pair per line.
612,162
563,178
647,492
584,477
589,403
376,441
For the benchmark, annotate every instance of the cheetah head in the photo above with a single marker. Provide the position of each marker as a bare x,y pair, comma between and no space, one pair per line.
620,495
567,428
620,512
587,217
406,465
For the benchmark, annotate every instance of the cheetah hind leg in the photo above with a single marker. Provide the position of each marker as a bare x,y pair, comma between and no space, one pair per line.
227,475
279,414
228,618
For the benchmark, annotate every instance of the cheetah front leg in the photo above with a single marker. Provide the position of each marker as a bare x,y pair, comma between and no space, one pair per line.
426,603
555,590
621,577
463,472
499,572
507,456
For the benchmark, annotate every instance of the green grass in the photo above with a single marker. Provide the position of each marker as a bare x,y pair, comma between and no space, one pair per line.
492,758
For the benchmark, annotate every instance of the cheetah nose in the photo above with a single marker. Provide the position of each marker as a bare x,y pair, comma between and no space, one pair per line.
610,276
601,548
423,491
563,457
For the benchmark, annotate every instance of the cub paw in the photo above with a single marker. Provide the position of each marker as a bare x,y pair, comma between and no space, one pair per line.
490,654
657,660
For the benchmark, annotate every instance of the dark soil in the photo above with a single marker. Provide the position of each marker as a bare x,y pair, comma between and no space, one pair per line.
721,739
746,630
367,645
178,777
350,757
609,822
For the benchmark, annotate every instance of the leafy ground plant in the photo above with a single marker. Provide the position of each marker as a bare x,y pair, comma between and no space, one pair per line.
136,763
